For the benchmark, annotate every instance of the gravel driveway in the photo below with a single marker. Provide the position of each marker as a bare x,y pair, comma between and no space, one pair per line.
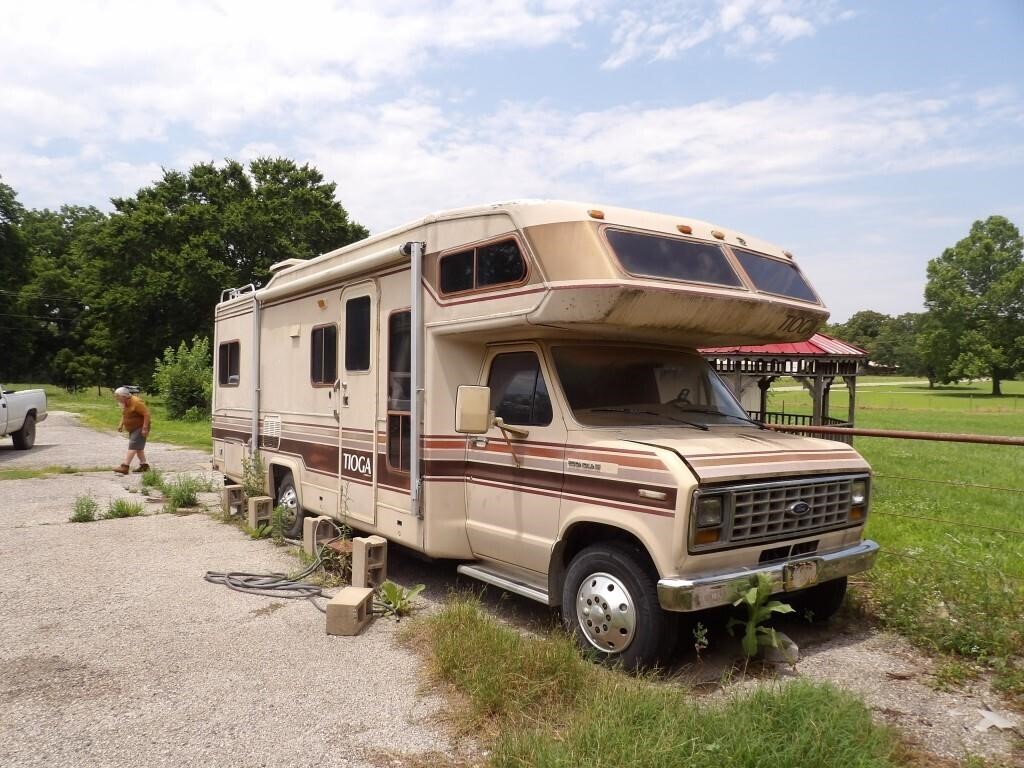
115,652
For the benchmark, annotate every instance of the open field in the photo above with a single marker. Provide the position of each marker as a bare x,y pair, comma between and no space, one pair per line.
951,575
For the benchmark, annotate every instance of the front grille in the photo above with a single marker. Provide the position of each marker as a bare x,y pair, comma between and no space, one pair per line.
773,512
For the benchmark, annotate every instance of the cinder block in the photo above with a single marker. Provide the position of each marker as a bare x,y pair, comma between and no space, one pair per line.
260,509
349,611
232,499
315,531
369,561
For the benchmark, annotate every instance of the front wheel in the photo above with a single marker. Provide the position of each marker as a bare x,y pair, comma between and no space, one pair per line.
610,605
25,437
288,498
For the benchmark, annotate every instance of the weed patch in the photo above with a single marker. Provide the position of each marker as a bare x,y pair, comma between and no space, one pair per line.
85,510
122,508
545,705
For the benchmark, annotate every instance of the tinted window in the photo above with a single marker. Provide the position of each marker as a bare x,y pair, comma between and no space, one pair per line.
499,263
399,359
323,364
519,394
492,264
357,334
457,272
775,276
228,363
669,257
399,389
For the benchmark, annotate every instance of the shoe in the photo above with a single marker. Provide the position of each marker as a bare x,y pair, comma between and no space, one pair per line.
121,470
141,468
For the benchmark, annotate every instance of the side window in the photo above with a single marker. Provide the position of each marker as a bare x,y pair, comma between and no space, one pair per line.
227,364
399,389
357,334
519,394
323,362
498,263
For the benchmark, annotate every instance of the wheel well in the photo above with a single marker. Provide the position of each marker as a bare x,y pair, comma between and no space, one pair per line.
277,475
579,537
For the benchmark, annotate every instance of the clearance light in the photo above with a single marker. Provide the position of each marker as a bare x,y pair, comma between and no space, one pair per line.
321,303
706,536
686,229
787,254
595,214
718,234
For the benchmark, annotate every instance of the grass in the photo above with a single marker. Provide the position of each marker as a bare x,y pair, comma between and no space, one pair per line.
119,508
100,411
952,588
85,510
27,474
184,490
539,703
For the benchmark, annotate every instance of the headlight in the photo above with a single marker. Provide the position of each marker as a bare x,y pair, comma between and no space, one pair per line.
709,511
859,499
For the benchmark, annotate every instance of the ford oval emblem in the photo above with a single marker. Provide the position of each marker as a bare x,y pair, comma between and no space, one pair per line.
798,509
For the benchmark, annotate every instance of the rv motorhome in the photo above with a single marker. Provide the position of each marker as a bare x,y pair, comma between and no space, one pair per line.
517,386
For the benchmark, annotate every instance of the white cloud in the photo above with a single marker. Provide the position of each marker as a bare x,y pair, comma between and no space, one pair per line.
656,30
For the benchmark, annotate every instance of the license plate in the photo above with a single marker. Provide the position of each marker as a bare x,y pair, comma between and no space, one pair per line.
799,575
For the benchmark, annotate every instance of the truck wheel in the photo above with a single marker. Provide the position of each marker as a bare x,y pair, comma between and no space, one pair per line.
819,603
25,437
610,605
288,498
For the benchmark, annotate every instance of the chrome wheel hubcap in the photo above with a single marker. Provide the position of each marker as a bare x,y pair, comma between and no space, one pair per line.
290,501
605,612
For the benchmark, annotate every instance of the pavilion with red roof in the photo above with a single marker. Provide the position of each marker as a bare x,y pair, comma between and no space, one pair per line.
815,363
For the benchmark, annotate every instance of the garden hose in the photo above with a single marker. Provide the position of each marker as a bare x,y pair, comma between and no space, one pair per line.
279,585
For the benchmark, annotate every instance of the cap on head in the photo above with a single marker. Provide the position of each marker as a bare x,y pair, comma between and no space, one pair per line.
123,392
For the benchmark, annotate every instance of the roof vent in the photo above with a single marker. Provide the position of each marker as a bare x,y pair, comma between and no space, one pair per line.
281,265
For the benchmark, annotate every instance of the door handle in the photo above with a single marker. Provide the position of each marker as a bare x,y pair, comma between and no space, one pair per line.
480,442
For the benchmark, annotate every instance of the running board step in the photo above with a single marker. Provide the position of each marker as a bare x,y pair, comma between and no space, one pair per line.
503,581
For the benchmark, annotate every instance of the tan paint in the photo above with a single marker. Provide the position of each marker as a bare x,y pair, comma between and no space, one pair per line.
575,290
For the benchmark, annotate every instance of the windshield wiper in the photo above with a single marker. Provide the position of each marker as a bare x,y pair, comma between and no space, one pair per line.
693,424
714,412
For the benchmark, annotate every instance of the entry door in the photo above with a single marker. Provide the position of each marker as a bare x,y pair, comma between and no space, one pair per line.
512,493
357,398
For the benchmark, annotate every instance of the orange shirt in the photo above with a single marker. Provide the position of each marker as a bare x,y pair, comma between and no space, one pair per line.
134,413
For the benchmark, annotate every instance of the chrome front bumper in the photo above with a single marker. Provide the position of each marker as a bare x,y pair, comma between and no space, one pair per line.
696,594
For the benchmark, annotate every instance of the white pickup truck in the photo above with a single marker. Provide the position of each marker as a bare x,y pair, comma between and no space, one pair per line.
19,414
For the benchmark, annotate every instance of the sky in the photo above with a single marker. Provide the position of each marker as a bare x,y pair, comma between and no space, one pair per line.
863,136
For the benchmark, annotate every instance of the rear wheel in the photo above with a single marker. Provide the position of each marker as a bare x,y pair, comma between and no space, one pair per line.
288,498
819,603
25,437
610,605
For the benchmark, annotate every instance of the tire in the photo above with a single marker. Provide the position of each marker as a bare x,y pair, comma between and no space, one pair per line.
288,498
25,437
630,629
819,603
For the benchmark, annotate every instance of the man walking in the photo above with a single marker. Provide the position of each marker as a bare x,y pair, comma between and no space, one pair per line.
134,418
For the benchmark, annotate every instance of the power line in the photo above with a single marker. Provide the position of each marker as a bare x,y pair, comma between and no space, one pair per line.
48,318
47,298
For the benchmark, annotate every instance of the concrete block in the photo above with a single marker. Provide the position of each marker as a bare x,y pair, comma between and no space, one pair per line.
260,509
369,561
315,531
349,611
232,499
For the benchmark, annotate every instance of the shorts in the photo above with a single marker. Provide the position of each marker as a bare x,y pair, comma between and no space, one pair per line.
136,440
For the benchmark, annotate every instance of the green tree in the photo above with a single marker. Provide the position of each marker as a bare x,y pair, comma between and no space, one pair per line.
157,266
862,329
975,296
15,322
56,296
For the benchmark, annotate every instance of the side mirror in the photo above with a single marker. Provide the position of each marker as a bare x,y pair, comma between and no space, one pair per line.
473,410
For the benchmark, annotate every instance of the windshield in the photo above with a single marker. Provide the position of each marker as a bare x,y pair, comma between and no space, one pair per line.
629,386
